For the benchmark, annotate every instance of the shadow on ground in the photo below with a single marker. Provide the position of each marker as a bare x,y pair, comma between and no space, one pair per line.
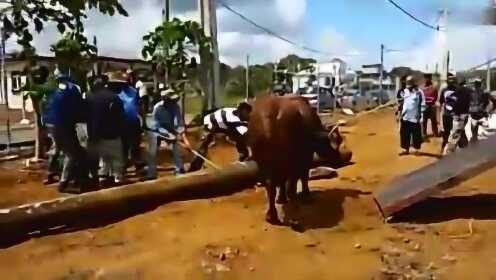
436,210
324,209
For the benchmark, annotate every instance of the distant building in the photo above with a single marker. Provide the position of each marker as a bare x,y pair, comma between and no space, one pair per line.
16,76
333,71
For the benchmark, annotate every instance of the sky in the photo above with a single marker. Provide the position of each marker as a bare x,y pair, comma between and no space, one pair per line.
349,29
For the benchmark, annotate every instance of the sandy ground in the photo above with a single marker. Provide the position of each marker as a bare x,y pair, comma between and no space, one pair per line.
227,238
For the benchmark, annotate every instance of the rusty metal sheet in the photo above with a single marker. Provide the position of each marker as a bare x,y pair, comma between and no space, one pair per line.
445,173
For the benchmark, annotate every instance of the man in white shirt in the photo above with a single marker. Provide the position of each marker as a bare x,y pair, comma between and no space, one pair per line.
232,122
412,108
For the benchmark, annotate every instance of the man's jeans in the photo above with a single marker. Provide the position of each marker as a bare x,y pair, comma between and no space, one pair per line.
154,141
457,133
110,153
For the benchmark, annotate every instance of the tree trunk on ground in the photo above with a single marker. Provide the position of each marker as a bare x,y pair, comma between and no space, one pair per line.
127,199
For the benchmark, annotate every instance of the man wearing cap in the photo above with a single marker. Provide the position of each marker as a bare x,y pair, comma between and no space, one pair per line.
456,105
167,125
412,107
118,83
232,122
478,108
430,113
66,111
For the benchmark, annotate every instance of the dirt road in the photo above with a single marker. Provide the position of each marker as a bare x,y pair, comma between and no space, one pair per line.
227,238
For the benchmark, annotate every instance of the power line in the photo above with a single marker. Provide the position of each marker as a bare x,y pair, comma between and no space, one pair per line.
414,17
482,64
270,32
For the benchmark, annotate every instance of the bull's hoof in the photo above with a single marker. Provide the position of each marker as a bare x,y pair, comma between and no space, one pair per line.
281,199
296,226
271,218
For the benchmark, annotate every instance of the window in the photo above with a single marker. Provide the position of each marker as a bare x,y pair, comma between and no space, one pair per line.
18,82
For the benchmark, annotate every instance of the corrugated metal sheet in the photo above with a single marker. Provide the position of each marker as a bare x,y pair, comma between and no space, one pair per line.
420,184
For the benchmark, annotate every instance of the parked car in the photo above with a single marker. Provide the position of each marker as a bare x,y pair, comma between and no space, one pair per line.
355,100
380,97
325,100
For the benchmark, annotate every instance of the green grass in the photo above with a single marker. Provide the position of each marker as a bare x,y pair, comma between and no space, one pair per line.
194,103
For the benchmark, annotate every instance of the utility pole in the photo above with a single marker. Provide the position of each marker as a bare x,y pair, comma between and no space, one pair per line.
488,77
446,56
167,10
208,15
166,18
4,86
247,77
381,77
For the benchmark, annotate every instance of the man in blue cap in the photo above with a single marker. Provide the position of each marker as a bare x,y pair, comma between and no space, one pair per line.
67,110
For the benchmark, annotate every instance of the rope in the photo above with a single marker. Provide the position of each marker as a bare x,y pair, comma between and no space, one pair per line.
196,153
361,114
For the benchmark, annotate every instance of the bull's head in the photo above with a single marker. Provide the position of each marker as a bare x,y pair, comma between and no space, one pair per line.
332,147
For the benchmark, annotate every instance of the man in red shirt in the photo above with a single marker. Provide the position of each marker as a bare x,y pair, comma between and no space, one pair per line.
430,113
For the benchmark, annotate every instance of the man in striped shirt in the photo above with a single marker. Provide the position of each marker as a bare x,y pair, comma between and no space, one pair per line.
232,122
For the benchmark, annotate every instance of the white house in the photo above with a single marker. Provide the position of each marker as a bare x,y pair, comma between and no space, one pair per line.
15,74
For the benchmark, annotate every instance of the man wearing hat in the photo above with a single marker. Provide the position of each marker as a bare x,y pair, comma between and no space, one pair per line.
118,83
412,108
456,103
167,125
478,108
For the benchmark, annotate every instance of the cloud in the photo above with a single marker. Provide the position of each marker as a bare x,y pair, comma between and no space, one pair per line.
469,45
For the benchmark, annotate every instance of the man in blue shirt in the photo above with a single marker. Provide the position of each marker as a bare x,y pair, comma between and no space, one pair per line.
66,109
132,131
167,125
412,107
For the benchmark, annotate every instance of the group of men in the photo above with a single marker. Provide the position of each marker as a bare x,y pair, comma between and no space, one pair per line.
459,102
116,118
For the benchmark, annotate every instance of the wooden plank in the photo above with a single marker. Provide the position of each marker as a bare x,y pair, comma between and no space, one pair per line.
445,173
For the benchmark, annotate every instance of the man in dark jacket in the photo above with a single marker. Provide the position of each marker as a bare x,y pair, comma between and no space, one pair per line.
456,106
66,110
105,132
478,108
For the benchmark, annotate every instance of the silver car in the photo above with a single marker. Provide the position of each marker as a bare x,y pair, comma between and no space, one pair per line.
356,100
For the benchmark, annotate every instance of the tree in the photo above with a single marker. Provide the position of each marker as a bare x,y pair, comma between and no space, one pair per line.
73,53
167,46
294,63
68,15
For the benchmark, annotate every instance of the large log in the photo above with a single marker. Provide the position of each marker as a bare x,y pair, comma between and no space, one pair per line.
404,191
127,200
100,204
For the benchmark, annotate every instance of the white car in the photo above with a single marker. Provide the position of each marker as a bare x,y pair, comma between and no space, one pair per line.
356,101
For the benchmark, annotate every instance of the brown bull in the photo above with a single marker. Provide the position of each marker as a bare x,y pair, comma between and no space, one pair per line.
284,133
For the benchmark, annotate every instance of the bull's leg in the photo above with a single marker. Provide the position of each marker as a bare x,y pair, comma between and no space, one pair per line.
282,197
271,215
291,208
304,183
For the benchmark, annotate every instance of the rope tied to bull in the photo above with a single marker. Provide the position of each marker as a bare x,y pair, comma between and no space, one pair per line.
361,114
